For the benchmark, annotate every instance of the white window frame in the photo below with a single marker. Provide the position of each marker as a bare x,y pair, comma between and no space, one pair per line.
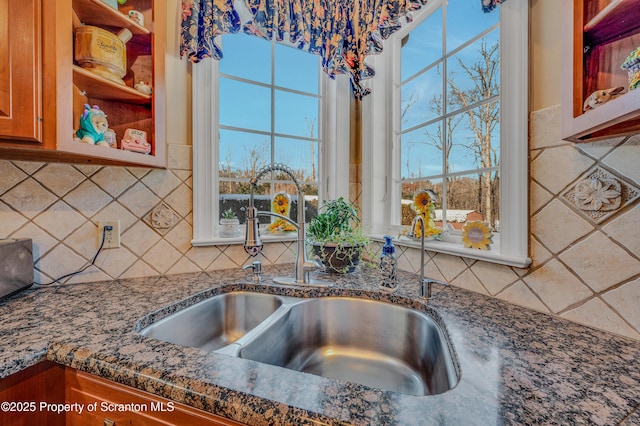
381,142
333,129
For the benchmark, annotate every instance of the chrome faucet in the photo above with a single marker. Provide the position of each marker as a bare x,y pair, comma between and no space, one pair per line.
253,244
425,284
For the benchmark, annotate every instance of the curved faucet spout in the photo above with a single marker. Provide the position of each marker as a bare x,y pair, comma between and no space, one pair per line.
253,244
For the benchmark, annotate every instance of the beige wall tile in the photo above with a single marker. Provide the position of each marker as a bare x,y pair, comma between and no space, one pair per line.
139,199
556,226
88,198
600,263
626,158
556,286
545,128
597,314
626,301
470,282
522,295
29,198
625,229
162,256
555,168
11,176
113,180
59,220
493,276
59,178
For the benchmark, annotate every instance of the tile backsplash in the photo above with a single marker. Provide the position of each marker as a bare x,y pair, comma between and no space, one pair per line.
584,234
585,247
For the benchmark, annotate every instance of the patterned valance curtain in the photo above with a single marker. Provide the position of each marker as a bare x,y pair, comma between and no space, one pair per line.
341,32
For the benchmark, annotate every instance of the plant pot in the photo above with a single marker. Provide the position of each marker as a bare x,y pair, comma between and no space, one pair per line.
229,228
339,258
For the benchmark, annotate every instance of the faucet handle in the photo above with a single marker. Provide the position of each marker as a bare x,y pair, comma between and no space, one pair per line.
313,264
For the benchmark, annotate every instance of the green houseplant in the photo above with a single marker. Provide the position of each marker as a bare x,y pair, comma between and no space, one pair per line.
336,236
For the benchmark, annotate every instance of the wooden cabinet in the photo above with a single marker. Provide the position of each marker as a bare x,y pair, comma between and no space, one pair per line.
24,392
53,395
61,86
121,405
20,106
603,35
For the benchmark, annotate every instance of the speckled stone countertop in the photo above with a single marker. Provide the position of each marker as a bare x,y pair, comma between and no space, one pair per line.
517,366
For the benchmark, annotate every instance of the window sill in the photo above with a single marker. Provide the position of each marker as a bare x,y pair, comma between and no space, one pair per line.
221,241
454,249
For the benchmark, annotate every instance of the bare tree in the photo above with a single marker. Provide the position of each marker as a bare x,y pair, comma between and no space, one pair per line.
484,118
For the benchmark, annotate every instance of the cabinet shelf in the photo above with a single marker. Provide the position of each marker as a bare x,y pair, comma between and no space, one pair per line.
601,35
96,86
619,19
98,13
62,88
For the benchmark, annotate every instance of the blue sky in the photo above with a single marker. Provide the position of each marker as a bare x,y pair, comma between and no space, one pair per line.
248,105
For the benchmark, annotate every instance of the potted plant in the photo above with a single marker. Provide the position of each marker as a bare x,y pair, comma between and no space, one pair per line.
336,236
229,224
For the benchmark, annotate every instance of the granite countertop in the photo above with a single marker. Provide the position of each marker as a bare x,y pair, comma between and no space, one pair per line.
517,366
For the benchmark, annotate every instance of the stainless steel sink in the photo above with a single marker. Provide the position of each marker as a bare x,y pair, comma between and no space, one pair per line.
376,344
372,343
215,322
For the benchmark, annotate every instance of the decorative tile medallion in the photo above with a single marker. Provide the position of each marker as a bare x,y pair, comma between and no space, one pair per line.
599,194
161,218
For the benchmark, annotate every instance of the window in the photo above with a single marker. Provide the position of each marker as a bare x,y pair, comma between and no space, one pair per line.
264,103
455,81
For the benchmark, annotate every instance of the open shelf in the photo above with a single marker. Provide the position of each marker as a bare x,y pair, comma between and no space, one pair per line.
619,19
96,86
601,35
98,13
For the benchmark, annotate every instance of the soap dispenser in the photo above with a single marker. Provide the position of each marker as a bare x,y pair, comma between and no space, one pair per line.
388,266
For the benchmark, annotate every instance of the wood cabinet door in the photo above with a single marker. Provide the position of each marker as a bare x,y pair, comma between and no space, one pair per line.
20,70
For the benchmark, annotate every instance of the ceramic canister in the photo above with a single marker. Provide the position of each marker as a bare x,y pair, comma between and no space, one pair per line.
101,52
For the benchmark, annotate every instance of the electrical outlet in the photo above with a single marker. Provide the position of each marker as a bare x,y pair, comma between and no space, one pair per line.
112,237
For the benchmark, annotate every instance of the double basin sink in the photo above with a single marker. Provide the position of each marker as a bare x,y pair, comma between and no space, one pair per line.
376,344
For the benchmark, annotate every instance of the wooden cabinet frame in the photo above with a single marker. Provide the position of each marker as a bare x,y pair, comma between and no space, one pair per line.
602,34
64,85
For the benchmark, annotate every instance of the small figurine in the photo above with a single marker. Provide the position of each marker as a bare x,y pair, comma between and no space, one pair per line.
137,17
136,141
599,97
143,87
93,124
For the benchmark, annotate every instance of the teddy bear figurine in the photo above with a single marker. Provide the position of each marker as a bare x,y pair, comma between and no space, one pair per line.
93,124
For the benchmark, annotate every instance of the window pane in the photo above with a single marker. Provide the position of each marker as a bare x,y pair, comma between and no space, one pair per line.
474,72
474,139
423,45
421,98
300,155
296,115
466,20
475,193
242,154
244,105
410,189
296,69
246,57
421,152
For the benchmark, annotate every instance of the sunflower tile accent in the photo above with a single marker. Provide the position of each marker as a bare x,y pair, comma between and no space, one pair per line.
599,194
